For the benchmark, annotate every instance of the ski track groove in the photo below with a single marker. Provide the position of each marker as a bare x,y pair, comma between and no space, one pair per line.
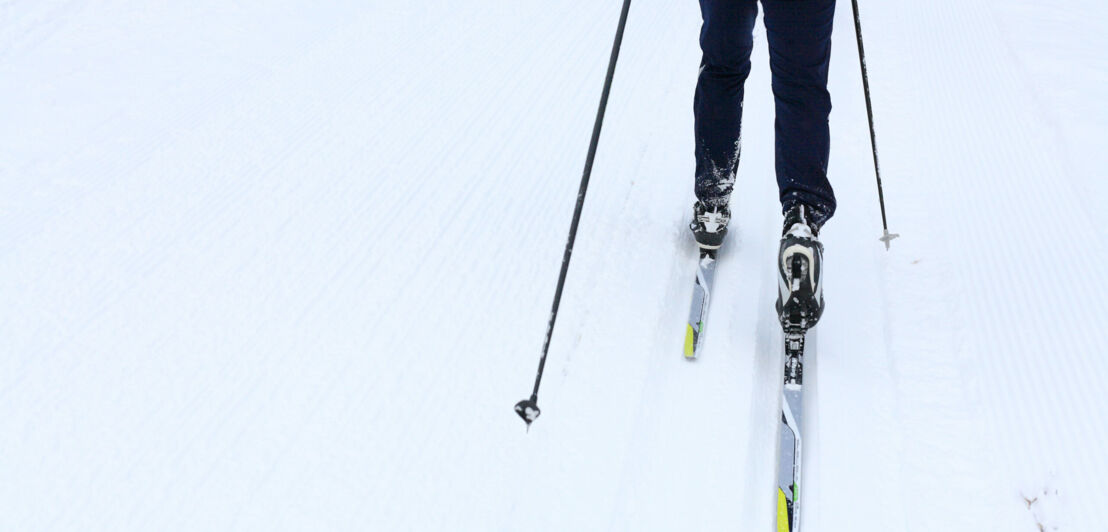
667,359
1005,224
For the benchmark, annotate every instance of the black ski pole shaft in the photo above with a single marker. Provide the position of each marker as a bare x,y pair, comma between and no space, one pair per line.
528,409
887,237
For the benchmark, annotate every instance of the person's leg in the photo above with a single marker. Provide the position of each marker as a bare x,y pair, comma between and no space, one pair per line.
799,35
726,39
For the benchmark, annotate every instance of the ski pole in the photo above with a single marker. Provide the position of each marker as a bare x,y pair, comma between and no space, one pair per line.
528,409
887,237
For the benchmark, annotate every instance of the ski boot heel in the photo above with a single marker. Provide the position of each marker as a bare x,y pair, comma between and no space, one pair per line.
709,225
799,306
800,272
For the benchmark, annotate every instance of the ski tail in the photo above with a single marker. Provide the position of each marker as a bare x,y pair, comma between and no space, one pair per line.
784,512
698,311
789,447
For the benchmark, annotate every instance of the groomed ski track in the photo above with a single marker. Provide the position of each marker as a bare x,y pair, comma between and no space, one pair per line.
290,268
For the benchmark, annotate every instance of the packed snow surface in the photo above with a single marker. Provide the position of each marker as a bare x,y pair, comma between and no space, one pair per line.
288,265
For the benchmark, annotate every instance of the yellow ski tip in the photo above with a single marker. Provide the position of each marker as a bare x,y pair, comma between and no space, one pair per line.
782,512
690,342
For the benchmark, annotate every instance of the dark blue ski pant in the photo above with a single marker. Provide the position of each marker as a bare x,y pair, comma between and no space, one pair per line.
799,37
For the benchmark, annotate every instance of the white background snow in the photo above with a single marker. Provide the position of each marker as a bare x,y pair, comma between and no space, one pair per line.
288,265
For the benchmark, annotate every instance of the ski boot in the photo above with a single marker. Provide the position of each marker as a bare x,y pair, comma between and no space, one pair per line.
800,267
709,226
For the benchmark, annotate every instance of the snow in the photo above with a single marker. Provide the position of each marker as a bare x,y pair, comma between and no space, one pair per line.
289,266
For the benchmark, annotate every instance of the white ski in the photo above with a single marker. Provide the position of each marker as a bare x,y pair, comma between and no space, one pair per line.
698,312
789,445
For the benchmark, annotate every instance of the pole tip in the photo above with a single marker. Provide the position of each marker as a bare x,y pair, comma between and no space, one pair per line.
888,238
528,410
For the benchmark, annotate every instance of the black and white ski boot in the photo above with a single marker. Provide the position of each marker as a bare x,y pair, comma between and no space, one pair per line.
800,270
709,225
